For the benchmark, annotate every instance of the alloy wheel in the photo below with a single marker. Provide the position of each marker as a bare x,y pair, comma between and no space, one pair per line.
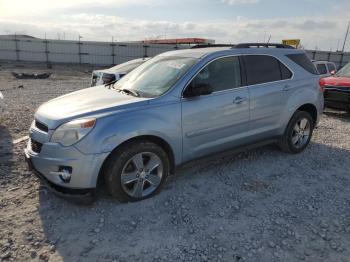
301,133
142,174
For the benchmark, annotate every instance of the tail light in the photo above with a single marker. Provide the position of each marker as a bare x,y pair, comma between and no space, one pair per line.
322,84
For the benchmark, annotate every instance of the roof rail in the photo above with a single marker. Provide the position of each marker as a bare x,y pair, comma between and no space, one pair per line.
258,45
212,45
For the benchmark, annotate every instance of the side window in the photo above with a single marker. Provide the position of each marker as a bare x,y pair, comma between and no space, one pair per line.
221,74
321,68
263,69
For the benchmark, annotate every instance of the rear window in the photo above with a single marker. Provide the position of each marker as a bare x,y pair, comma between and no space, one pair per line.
321,68
303,61
263,69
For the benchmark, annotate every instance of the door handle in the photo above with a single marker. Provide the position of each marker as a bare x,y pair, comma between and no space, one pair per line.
238,99
286,88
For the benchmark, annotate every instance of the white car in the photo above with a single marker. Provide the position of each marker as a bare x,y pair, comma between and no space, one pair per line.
325,68
105,76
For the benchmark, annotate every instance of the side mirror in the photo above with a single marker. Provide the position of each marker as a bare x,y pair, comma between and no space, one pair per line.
201,89
333,72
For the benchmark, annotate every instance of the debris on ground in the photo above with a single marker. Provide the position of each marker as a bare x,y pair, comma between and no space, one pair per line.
31,76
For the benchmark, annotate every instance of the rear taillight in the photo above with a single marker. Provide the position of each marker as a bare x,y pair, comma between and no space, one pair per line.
322,84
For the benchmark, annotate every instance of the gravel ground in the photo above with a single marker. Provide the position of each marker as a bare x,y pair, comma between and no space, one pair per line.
257,205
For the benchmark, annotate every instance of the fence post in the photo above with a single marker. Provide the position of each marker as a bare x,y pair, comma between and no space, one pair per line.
145,50
79,50
314,55
113,53
47,53
17,48
341,60
329,57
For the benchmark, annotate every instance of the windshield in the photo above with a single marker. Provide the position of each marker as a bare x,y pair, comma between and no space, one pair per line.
345,71
156,76
128,66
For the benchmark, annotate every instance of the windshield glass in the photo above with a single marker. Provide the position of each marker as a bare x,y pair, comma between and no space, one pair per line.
156,76
128,66
345,71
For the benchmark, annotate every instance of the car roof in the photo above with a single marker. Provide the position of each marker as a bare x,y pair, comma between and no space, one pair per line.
202,52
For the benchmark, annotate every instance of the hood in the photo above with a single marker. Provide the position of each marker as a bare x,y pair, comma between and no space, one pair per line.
93,100
337,81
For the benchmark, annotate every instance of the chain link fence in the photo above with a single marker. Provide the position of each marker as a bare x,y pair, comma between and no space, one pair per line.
340,59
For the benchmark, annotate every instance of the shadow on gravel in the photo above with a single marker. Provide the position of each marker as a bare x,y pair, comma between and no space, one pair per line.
6,152
108,230
342,115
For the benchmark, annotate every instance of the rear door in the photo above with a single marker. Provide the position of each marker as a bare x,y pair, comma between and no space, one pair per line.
269,85
216,121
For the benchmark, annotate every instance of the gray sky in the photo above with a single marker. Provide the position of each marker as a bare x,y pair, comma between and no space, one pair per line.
320,23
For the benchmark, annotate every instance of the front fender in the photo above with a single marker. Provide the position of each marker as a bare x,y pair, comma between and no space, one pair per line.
162,121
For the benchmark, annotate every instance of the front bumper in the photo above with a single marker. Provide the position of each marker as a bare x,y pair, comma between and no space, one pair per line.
337,98
81,196
52,156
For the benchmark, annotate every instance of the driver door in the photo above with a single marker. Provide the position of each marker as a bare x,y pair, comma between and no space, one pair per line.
218,119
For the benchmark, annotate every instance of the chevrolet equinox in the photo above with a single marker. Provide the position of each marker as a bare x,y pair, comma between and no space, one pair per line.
177,106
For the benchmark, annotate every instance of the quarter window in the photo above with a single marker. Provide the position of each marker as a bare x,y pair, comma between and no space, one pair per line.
221,74
263,69
303,61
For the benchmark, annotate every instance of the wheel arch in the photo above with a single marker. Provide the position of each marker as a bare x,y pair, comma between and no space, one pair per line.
311,109
150,138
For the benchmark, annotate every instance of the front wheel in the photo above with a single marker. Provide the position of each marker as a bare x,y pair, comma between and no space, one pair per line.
137,171
298,133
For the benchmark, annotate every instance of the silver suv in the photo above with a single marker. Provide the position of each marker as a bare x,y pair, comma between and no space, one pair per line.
176,107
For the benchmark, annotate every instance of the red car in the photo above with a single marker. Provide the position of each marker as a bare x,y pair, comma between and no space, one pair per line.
337,89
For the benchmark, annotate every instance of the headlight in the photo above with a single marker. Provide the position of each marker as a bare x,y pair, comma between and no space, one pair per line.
71,132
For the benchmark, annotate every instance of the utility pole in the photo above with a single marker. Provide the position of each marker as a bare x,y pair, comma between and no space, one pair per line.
346,36
268,40
343,49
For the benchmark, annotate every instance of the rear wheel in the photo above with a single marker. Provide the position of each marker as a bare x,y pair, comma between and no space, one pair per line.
298,133
348,110
137,171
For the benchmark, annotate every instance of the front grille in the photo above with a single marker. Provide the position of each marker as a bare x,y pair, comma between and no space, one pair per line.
36,146
41,126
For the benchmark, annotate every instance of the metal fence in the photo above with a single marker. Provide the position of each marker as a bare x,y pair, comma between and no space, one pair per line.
105,53
77,52
339,58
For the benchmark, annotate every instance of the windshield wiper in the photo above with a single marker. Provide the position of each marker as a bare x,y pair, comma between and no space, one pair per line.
110,83
129,91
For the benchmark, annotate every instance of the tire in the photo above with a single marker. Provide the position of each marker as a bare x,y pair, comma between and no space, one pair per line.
348,110
294,141
137,166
